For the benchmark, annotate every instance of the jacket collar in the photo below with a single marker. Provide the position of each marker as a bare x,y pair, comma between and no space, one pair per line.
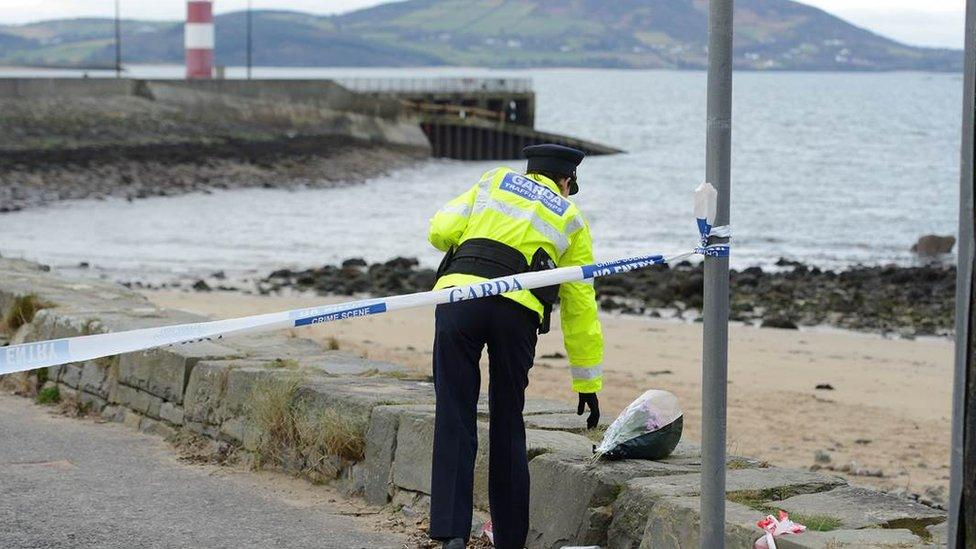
546,182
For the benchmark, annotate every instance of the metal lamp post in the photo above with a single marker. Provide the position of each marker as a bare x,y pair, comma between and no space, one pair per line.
962,487
118,41
716,290
250,28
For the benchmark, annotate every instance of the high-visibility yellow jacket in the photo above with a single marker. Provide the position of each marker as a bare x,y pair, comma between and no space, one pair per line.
528,213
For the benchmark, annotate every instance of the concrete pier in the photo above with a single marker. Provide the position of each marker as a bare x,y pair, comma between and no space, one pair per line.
472,118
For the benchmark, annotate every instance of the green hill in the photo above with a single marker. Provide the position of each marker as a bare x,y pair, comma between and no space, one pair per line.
770,35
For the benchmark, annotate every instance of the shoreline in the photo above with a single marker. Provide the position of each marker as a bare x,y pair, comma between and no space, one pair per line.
905,302
185,168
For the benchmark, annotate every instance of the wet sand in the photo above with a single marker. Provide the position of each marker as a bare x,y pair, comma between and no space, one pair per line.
889,410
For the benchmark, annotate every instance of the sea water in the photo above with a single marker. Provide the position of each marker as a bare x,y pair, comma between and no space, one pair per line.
831,169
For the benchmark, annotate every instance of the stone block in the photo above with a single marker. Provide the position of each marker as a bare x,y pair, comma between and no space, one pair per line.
113,413
154,427
233,430
858,507
308,355
241,432
172,413
533,406
413,505
220,390
635,504
938,533
763,484
97,376
381,444
165,372
54,373
204,390
139,401
93,404
242,377
71,374
570,495
537,443
675,522
201,429
569,422
414,444
837,539
357,396
339,363
131,419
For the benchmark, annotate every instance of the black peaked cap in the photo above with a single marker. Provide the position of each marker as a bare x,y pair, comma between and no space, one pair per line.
552,158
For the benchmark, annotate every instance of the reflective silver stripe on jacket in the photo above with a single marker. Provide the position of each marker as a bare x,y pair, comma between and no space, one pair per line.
585,374
462,210
484,192
575,224
539,224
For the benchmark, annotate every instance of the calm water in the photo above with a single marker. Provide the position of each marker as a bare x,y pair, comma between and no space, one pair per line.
831,169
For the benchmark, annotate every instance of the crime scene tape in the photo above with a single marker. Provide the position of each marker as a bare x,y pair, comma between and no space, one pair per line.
43,354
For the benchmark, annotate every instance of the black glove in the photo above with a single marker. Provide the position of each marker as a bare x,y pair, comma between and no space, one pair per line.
589,399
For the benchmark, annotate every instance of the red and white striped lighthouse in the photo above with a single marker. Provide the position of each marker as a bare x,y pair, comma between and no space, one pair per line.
199,35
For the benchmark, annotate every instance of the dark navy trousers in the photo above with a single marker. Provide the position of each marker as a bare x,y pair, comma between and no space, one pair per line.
462,331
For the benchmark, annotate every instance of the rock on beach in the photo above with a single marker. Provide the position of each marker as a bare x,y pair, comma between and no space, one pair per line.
888,299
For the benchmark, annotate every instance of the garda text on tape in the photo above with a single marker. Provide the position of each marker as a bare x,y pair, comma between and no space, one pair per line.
42,354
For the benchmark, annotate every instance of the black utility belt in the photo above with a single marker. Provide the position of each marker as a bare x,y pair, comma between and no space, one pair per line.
492,259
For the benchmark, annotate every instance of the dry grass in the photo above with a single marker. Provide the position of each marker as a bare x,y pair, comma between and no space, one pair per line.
271,411
200,450
315,443
326,439
70,405
22,311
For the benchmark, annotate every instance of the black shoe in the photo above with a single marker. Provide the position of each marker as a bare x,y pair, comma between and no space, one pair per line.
456,543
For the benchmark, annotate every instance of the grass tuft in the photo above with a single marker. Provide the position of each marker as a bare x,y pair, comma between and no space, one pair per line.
739,463
286,363
271,411
48,396
22,311
760,501
596,434
332,344
315,443
817,523
326,435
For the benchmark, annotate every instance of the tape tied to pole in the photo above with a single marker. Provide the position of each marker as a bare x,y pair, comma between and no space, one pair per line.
42,354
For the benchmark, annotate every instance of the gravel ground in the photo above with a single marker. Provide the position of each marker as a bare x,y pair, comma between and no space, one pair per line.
74,483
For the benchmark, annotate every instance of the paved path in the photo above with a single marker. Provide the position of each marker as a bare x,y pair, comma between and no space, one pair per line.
76,483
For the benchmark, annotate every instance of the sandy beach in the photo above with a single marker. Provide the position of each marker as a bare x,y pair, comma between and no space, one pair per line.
888,412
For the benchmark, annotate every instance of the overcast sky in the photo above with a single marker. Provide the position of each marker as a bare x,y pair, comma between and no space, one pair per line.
920,22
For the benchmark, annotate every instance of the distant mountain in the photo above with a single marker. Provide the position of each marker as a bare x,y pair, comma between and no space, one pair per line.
769,35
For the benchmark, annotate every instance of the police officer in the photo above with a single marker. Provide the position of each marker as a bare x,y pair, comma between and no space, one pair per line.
507,223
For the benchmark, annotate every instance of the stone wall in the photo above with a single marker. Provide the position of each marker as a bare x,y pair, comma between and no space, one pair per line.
208,389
